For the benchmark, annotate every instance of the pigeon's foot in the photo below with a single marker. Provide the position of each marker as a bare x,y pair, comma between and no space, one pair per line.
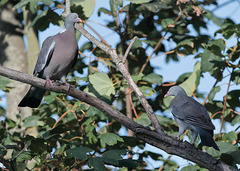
174,136
48,81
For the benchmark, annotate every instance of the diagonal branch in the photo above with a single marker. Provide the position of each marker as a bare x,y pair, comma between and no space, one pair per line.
84,97
126,75
164,142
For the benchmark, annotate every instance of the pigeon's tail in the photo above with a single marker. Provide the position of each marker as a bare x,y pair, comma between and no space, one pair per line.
207,138
33,97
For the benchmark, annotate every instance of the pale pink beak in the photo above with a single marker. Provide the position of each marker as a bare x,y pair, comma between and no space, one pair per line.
166,94
79,19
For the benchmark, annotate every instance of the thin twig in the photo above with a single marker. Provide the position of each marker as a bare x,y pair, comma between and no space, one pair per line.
21,150
102,39
225,105
160,41
68,105
154,50
205,100
3,147
165,53
125,74
235,111
63,115
129,48
133,108
215,114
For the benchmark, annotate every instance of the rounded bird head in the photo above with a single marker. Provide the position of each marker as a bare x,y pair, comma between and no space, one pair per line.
71,19
175,90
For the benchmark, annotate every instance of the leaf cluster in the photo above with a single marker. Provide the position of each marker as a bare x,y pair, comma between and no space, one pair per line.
73,135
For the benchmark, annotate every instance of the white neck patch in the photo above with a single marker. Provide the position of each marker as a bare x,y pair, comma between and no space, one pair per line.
63,30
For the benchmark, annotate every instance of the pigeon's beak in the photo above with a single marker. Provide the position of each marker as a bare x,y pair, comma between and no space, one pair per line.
166,94
79,20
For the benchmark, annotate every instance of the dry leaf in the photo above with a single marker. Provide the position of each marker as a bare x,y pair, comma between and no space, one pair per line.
197,10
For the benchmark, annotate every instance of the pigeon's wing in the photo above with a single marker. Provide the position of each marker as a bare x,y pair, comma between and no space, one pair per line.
45,55
190,111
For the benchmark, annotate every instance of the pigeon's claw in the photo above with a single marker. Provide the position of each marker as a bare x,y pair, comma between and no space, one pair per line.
48,81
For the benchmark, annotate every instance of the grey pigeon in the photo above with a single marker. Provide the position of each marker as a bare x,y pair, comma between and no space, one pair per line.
189,114
57,56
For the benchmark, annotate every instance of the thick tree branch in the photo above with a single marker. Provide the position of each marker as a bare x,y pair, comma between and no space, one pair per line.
126,75
164,142
93,101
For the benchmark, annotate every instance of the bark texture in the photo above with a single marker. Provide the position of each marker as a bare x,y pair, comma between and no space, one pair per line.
13,55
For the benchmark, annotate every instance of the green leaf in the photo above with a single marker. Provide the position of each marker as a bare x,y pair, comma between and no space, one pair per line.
2,110
236,77
105,11
143,120
139,1
166,122
210,16
51,97
109,139
213,92
227,147
128,163
137,77
110,160
3,2
193,168
116,154
167,22
96,163
233,98
192,82
183,77
38,146
102,83
43,13
25,155
31,121
10,122
219,43
207,64
147,91
186,42
228,152
60,149
21,4
114,6
230,137
92,111
47,2
112,156
3,82
152,6
228,29
153,78
78,153
236,120
18,166
137,44
87,5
